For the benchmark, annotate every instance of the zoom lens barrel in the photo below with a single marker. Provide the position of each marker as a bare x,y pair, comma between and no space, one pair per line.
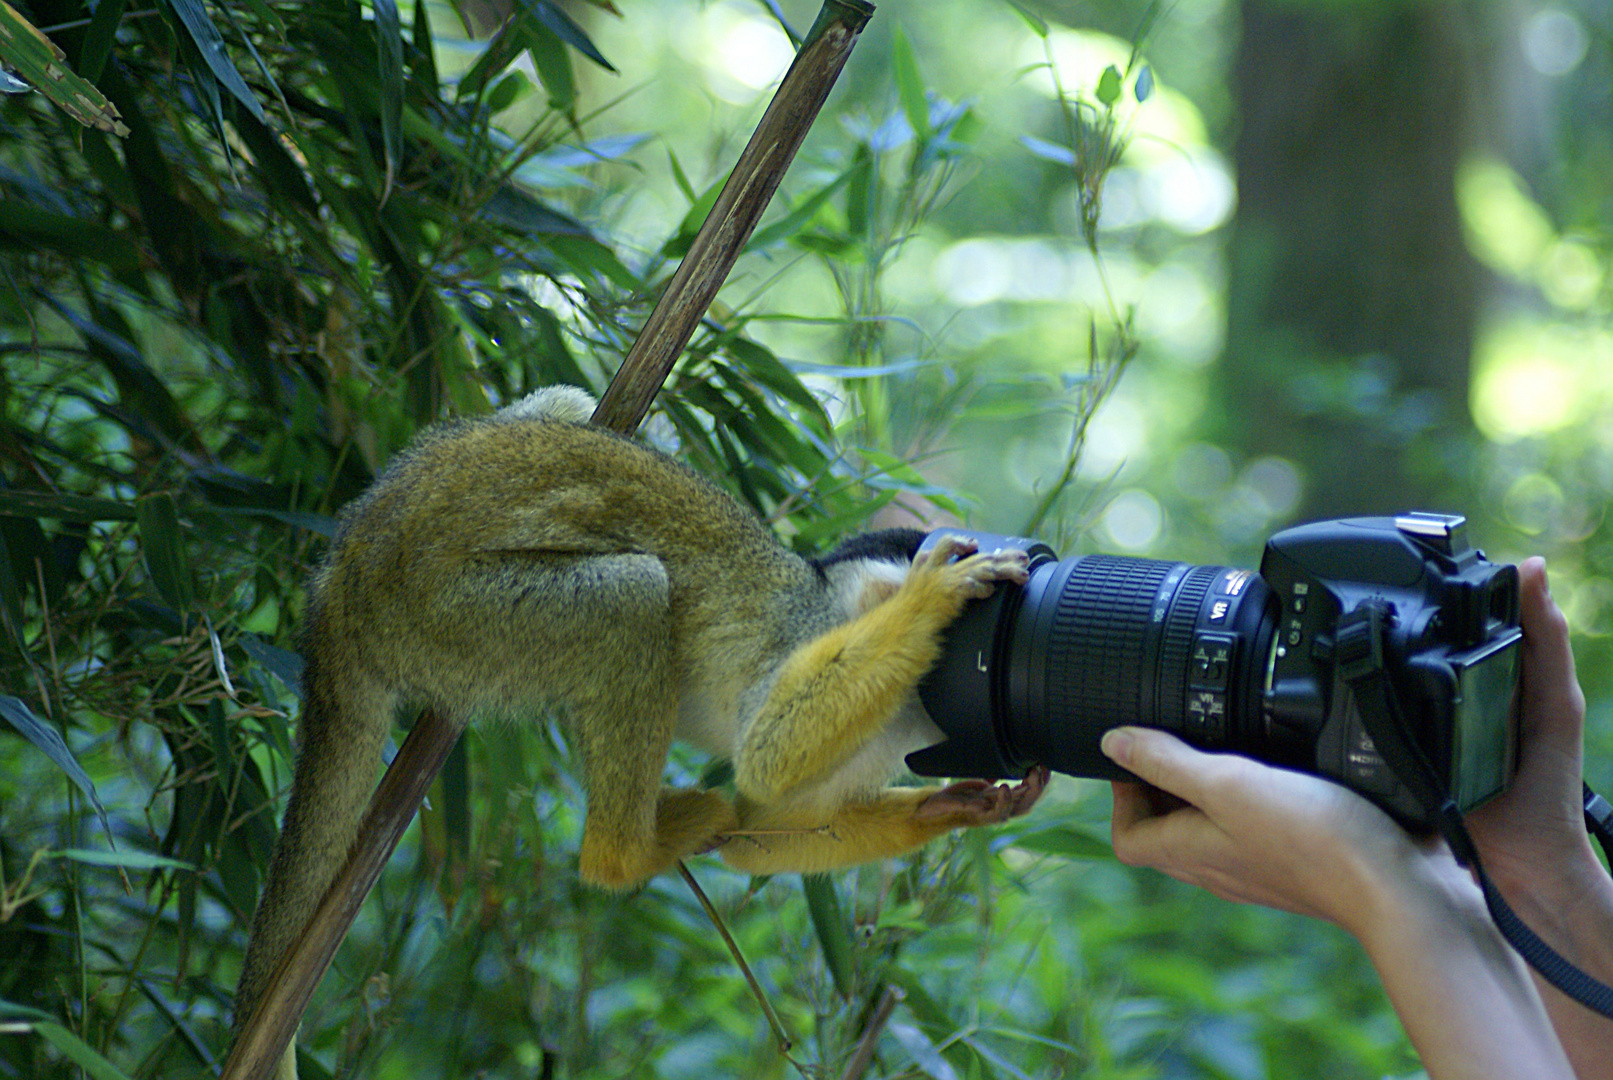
1096,642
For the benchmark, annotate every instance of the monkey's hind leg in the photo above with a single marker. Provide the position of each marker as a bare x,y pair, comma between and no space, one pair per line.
597,629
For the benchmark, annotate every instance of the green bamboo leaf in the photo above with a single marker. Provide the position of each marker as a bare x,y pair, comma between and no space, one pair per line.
1037,24
389,67
679,178
126,860
27,224
766,368
40,63
506,92
50,743
800,214
558,23
909,84
456,814
549,56
98,38
79,1052
861,191
925,1054
285,665
917,1000
1060,155
424,63
678,244
209,43
163,548
834,933
10,1010
11,614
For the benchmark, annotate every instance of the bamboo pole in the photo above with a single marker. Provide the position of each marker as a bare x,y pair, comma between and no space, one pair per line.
263,1039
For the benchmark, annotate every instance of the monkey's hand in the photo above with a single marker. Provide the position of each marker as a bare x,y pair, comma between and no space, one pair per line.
979,802
955,569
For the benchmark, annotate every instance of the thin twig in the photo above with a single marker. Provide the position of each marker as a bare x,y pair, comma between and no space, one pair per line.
773,1020
864,1054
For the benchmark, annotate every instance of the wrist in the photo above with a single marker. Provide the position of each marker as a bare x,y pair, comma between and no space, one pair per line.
1421,895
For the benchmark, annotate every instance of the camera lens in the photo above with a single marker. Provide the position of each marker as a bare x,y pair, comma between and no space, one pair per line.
1105,640
1095,642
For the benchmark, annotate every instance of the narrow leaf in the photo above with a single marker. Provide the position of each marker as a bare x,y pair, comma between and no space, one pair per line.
11,614
425,58
1047,151
559,24
800,214
389,67
549,56
1064,842
50,742
79,1052
210,43
98,38
925,1054
1037,24
834,935
909,84
287,666
162,546
127,860
37,59
680,178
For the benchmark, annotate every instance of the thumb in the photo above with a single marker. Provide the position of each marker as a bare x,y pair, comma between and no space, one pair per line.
1156,757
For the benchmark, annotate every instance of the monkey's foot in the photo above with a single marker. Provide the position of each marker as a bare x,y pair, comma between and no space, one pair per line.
980,802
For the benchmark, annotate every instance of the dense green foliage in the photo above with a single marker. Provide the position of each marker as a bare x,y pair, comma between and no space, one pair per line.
350,221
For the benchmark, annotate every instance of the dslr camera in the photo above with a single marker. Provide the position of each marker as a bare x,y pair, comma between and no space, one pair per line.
1237,661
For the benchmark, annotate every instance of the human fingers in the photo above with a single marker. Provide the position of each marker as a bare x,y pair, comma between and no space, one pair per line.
1158,758
1553,703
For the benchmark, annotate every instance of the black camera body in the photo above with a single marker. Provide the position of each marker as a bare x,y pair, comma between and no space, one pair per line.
1231,660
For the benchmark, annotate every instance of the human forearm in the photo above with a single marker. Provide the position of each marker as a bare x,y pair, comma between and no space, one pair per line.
1466,999
1571,909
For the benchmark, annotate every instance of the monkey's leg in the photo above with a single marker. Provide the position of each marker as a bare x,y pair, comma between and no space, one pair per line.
594,633
839,689
779,839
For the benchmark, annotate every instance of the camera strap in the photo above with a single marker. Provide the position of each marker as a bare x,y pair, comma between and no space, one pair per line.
1359,648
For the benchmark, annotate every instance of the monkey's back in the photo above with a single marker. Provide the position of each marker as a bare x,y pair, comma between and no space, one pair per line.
472,500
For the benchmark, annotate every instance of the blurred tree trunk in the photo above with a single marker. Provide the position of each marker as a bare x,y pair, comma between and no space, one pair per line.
1351,295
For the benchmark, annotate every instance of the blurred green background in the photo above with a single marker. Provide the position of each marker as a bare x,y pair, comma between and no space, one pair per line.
1150,279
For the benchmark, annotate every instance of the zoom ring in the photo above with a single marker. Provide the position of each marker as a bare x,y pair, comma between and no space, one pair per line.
1098,638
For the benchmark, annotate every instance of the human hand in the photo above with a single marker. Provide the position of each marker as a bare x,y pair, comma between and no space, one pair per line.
1257,834
1534,834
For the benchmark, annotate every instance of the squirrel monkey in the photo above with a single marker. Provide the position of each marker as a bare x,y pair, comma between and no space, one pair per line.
526,561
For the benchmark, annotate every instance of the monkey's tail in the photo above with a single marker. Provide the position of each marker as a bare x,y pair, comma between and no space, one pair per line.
345,720
567,403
